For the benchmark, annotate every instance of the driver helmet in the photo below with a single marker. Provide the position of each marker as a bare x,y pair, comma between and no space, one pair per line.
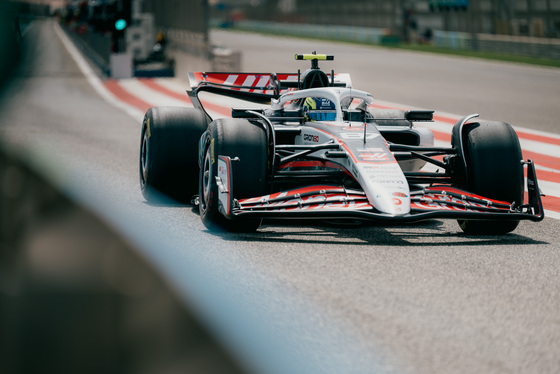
319,109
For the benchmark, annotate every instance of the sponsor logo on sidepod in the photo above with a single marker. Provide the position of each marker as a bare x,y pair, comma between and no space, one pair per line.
311,138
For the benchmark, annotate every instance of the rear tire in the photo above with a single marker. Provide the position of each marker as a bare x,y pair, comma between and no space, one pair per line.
246,141
169,153
494,170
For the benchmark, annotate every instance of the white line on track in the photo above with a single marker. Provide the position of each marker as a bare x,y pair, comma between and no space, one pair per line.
537,132
541,148
549,188
92,77
551,214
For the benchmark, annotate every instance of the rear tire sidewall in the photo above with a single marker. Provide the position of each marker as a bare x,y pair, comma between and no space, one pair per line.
494,170
169,152
239,139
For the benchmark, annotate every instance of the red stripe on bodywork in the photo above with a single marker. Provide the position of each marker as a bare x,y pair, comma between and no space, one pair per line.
450,189
343,144
239,80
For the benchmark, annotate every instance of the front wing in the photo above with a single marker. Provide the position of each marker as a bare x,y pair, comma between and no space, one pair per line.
336,202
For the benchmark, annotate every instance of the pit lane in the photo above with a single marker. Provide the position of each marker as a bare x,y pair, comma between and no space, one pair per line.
420,298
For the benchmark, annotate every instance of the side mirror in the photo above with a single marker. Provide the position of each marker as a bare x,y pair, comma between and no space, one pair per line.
362,107
419,115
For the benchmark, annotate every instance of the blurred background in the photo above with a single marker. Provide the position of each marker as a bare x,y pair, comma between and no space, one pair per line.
145,28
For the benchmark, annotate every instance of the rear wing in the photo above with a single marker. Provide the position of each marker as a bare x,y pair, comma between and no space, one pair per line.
255,87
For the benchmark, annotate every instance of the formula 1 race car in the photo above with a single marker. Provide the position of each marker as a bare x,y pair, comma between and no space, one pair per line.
318,151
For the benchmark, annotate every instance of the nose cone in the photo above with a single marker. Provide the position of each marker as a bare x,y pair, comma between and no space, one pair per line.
392,202
386,188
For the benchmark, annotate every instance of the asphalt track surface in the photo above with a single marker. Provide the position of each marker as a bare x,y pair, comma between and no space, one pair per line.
422,298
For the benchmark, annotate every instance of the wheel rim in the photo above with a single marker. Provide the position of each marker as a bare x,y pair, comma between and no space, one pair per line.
206,180
144,153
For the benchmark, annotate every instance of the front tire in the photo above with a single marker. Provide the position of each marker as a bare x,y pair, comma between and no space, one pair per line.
239,139
494,170
169,152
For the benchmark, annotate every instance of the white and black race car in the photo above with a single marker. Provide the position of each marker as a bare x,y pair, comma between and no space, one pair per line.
319,151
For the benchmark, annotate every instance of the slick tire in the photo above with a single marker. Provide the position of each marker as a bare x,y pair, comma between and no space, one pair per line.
494,170
246,143
169,153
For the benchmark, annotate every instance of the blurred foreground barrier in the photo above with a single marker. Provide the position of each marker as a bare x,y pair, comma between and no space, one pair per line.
75,297
90,287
